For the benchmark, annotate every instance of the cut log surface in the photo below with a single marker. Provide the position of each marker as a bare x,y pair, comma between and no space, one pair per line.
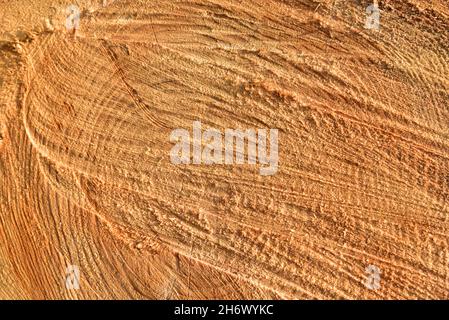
86,178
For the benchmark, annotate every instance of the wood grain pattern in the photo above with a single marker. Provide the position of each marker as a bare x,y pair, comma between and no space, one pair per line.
85,171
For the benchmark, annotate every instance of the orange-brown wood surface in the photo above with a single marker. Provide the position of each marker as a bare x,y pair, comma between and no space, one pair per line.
85,171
